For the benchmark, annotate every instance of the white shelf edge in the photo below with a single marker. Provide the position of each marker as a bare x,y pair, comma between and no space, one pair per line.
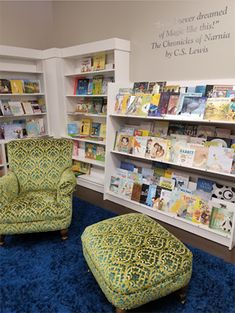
21,94
86,96
175,164
86,114
87,140
19,116
87,182
90,161
92,73
21,71
160,118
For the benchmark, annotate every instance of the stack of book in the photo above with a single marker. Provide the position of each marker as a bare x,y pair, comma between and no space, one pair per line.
94,63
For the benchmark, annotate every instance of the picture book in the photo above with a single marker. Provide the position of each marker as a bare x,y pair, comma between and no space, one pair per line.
176,128
99,62
218,142
139,145
36,108
16,86
133,104
96,107
95,129
90,86
31,86
204,131
193,107
82,86
221,219
85,127
156,87
153,107
222,132
156,148
97,85
127,166
144,193
151,194
143,108
121,103
201,89
100,153
122,186
172,88
136,192
163,103
205,212
32,128
147,174
135,176
75,148
140,87
124,140
90,150
220,159
86,65
81,149
217,109
187,205
72,129
200,156
220,90
173,104
16,108
223,192
204,188
181,180
190,130
197,140
122,173
128,188
166,196
167,183
105,82
160,128
114,184
103,130
81,167
40,122
5,86
27,107
5,107
185,157
83,105
13,131
231,110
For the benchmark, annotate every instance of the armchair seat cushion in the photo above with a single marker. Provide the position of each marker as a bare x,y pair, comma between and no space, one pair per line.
33,206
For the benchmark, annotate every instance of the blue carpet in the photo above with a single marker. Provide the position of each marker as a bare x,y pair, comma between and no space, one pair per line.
41,274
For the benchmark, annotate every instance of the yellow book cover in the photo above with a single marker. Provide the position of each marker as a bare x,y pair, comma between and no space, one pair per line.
99,62
217,109
103,130
124,103
85,128
143,108
16,86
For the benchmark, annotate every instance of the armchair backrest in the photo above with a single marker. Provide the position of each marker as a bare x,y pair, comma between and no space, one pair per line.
38,163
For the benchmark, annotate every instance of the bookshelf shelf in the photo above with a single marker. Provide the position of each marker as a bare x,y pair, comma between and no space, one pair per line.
21,95
21,116
115,68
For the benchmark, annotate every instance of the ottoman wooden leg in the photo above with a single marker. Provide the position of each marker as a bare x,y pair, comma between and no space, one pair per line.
120,310
182,293
2,240
64,234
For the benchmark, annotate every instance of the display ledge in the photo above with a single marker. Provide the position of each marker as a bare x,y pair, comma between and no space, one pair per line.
92,182
20,116
90,161
87,140
4,141
175,164
86,96
13,71
21,94
86,114
172,219
105,73
173,118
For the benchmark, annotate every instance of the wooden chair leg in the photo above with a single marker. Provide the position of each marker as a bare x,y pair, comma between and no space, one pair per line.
120,310
182,293
2,240
64,234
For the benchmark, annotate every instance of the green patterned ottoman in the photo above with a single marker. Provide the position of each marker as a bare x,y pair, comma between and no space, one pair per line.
135,260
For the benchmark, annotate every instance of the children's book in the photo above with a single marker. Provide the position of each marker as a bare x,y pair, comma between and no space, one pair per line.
105,82
90,150
124,139
172,88
103,130
204,131
95,129
167,183
163,103
200,156
185,157
187,206
100,153
140,87
27,107
160,128
143,108
129,188
36,108
72,129
75,148
134,104
16,108
157,148
13,131
190,130
223,192
97,104
220,159
222,132
135,176
99,62
166,196
221,219
114,184
82,86
148,175
81,167
136,192
31,86
32,128
193,107
16,86
205,212
217,109
204,188
181,180
5,86
86,126
176,128
97,85
221,90
5,107
144,193
86,65
173,104
151,195
156,87
139,145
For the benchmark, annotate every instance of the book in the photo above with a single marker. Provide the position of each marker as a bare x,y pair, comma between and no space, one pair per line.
139,145
140,87
86,65
185,157
105,82
16,86
173,104
205,212
220,159
72,129
114,184
144,193
27,107
16,108
200,156
163,103
154,102
218,142
86,125
32,128
124,140
100,153
160,128
99,61
193,107
220,90
90,150
167,183
143,108
31,86
96,106
5,108
204,188
156,148
151,195
75,148
172,88
97,85
222,132
204,131
13,130
81,167
190,130
133,104
221,219
136,192
95,129
5,86
181,180
166,197
36,108
156,87
217,109
82,86
187,206
223,192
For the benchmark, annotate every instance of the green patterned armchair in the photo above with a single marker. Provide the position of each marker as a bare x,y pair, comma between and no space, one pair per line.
36,195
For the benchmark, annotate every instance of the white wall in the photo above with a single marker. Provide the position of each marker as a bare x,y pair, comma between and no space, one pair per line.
74,22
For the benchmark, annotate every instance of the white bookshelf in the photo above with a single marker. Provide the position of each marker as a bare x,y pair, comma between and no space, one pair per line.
114,158
22,64
117,67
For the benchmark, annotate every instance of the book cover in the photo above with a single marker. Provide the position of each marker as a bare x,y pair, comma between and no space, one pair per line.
27,107
136,192
97,85
157,148
31,86
221,219
154,102
217,109
36,108
143,108
220,90
133,104
135,176
176,128
190,130
75,148
72,129
204,188
16,108
223,192
167,183
99,62
222,132
200,156
105,82
85,128
160,128
124,138
185,157
220,159
204,131
144,193
156,87
172,88
100,153
13,131
127,166
114,184
5,107
193,107
218,142
188,205
139,145
147,174
97,104
151,195
166,196
95,129
205,212
16,86
5,86
90,150
32,128
82,86
181,180
129,188
86,65
103,130
163,103
173,104
140,87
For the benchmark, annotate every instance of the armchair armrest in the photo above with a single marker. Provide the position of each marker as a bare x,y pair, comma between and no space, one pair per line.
9,188
67,184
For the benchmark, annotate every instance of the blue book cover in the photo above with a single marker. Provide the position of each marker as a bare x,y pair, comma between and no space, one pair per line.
82,86
204,188
201,89
151,195
127,166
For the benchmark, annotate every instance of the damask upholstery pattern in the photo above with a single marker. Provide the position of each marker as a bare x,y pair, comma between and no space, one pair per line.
135,260
37,194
